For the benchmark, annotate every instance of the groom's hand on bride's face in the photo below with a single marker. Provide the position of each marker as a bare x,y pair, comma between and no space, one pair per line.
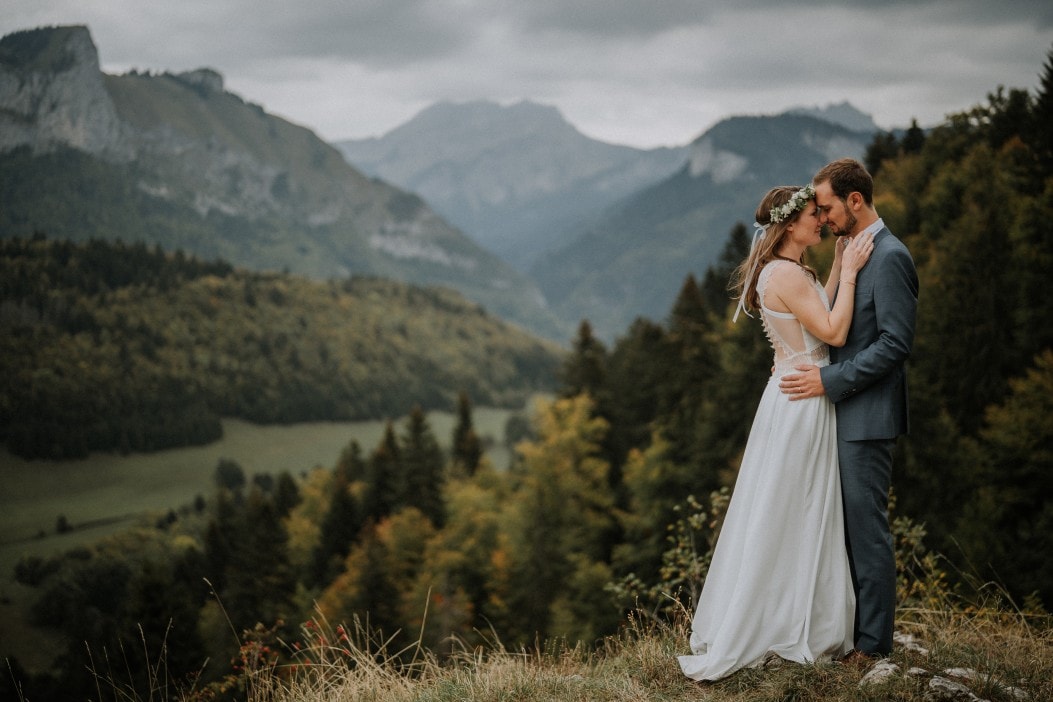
805,383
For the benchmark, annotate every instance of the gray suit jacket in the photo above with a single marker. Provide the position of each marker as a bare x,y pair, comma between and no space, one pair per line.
867,378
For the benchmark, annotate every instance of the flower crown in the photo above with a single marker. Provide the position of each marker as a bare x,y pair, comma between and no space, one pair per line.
794,204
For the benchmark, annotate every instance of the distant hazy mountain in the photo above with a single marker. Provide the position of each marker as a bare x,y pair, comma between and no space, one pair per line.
631,261
516,178
843,114
176,160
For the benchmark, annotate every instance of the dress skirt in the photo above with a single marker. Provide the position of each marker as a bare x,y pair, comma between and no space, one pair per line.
779,580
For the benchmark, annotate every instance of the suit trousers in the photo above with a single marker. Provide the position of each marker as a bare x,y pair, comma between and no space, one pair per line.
866,477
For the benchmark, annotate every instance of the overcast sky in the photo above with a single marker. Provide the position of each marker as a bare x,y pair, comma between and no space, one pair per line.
639,72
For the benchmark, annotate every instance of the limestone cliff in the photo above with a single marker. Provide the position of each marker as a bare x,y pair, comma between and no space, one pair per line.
52,94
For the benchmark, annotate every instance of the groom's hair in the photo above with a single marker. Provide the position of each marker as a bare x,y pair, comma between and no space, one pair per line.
847,176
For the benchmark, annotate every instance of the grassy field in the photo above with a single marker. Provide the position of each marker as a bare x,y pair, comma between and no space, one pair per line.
99,493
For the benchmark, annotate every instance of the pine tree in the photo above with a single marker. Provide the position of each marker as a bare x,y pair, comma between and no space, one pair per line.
467,449
350,464
691,355
221,537
260,580
563,518
286,494
883,147
715,283
385,481
913,139
585,370
366,590
1039,133
229,475
422,468
637,375
338,531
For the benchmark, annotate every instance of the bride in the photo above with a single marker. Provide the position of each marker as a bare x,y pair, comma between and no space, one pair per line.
779,582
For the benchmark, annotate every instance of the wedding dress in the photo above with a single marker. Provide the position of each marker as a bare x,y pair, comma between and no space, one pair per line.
779,581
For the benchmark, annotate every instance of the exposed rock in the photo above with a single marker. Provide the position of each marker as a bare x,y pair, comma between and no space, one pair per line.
879,673
52,94
943,690
206,79
909,643
720,165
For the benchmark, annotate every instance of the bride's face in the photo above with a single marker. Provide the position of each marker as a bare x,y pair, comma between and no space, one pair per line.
805,229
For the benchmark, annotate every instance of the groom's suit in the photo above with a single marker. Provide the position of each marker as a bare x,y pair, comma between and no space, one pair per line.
867,382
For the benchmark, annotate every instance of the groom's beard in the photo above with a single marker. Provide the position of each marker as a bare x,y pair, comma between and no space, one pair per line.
850,226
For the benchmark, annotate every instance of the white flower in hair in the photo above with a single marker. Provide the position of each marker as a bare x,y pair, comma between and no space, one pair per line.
796,202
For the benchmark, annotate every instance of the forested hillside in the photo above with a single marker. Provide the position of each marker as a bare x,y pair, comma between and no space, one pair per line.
120,346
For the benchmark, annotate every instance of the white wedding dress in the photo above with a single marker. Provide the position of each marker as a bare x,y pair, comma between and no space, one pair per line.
779,581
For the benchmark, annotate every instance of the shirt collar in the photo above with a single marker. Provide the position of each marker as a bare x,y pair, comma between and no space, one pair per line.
874,227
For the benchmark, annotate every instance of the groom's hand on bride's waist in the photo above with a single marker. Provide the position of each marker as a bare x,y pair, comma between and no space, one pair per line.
805,383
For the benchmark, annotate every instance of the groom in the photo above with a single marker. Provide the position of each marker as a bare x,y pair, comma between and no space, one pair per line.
867,381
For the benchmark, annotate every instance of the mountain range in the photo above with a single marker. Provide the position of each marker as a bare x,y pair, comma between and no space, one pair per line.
508,204
176,160
607,232
633,257
516,178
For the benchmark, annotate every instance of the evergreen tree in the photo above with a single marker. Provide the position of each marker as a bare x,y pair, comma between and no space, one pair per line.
350,464
338,531
692,357
366,590
260,580
229,475
637,376
1006,116
1039,132
913,139
467,449
585,370
221,539
563,516
385,481
883,147
422,468
286,494
161,624
715,283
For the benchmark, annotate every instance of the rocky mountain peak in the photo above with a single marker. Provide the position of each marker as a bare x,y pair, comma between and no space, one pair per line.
205,79
53,93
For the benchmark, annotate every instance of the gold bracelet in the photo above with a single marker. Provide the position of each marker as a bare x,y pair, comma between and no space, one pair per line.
846,282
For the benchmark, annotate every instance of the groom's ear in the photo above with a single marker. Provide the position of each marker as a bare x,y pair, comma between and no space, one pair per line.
855,200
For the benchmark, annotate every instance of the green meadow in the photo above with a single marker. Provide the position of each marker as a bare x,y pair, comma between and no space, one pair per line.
107,491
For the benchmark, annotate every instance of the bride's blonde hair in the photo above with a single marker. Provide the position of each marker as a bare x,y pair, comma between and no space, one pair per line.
763,249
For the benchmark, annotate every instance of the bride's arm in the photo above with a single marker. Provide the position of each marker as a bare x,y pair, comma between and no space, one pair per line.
795,290
835,268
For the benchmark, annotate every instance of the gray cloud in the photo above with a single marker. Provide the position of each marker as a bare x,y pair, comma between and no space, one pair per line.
646,73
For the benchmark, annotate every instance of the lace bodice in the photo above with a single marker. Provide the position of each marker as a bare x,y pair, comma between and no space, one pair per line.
792,343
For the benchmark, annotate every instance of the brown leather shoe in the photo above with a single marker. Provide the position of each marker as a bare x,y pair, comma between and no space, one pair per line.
858,659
